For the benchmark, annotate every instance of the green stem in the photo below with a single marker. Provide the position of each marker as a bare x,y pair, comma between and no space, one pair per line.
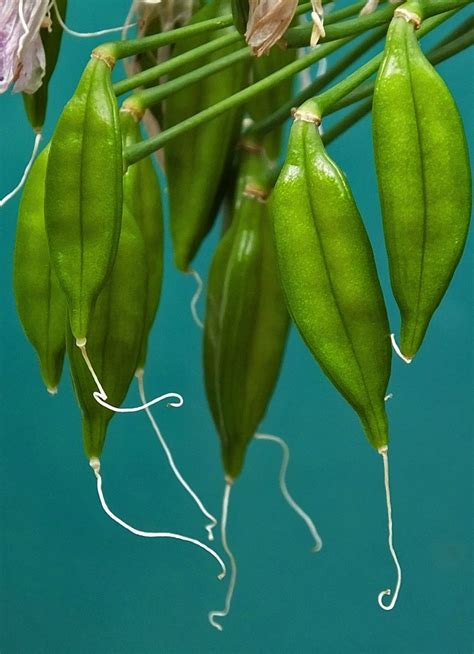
297,37
324,104
121,49
142,100
153,74
280,115
138,151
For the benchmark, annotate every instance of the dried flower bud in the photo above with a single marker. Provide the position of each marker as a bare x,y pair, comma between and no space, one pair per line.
268,21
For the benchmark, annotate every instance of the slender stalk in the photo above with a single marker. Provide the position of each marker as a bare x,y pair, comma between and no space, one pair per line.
280,115
297,37
142,100
122,49
154,73
140,150
324,103
348,121
330,98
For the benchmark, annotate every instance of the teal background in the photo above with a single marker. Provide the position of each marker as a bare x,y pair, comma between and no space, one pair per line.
71,581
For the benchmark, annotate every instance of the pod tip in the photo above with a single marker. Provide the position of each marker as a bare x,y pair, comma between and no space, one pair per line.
52,390
95,465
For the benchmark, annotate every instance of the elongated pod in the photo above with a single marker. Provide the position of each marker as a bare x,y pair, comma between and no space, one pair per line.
246,322
329,277
196,162
424,180
115,337
40,301
142,195
83,200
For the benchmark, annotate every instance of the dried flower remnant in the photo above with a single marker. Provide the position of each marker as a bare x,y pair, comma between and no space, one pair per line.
22,58
317,16
269,20
369,7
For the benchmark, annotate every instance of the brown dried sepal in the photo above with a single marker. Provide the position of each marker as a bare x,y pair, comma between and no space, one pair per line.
268,21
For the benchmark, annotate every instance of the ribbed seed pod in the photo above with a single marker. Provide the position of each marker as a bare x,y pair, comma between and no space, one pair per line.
329,277
246,321
141,194
36,103
196,162
115,337
424,180
83,201
40,301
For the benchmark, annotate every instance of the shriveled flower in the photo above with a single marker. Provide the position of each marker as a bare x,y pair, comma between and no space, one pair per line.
369,7
22,58
269,19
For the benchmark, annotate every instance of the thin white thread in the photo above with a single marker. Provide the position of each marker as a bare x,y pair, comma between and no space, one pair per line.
388,397
398,351
196,296
95,465
20,184
87,34
384,452
169,456
286,493
233,562
100,396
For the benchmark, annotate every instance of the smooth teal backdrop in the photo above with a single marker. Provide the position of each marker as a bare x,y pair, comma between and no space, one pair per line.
73,582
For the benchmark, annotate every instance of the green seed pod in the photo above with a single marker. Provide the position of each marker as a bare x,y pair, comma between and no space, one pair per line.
141,194
246,321
329,277
115,336
424,180
83,201
196,162
36,103
40,301
240,14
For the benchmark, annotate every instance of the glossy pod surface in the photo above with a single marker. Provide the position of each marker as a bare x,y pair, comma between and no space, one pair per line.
83,201
424,180
141,194
39,299
329,277
36,103
245,328
115,337
196,162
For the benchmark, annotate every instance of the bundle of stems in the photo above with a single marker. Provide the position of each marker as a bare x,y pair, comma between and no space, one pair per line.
342,28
